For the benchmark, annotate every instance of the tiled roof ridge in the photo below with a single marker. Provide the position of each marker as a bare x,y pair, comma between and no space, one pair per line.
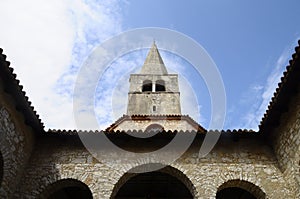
117,121
284,86
23,104
76,132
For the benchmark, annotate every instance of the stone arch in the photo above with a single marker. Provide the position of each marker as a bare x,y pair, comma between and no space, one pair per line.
65,189
154,127
147,86
168,173
160,85
239,189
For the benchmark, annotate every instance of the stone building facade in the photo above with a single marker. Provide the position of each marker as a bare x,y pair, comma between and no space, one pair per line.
35,163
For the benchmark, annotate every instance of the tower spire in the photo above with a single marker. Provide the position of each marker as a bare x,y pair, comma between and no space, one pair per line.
154,63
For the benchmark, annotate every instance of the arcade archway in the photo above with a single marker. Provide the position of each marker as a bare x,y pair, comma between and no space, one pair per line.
67,189
239,189
164,183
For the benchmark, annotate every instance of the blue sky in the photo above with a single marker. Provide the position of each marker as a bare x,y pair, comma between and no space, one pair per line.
250,42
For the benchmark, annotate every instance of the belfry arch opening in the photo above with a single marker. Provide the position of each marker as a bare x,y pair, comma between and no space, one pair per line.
67,189
147,86
164,183
160,85
239,189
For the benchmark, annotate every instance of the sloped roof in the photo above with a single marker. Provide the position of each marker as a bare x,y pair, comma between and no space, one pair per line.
154,63
286,90
12,87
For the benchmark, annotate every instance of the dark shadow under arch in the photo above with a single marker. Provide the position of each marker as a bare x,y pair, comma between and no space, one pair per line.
160,85
67,189
239,189
167,182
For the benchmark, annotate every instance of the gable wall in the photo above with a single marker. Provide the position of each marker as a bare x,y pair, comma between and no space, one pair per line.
16,144
171,125
285,140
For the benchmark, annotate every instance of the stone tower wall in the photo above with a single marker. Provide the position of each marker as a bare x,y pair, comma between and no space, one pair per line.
153,103
158,103
136,82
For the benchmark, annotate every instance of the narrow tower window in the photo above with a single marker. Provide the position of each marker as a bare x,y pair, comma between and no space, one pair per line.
160,85
154,108
147,86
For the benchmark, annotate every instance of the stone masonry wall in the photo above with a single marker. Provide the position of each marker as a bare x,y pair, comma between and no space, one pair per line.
171,125
16,141
136,81
155,103
165,103
247,159
286,143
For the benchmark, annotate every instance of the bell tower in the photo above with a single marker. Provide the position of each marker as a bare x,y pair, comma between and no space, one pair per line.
153,91
154,100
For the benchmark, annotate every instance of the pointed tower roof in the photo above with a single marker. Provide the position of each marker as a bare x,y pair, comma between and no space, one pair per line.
154,63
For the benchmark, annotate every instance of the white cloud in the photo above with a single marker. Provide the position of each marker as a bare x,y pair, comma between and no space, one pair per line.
261,95
46,42
112,89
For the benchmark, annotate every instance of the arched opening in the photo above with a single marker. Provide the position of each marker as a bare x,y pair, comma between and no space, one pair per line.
67,189
239,189
1,168
234,193
155,128
160,85
153,185
147,86
164,183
